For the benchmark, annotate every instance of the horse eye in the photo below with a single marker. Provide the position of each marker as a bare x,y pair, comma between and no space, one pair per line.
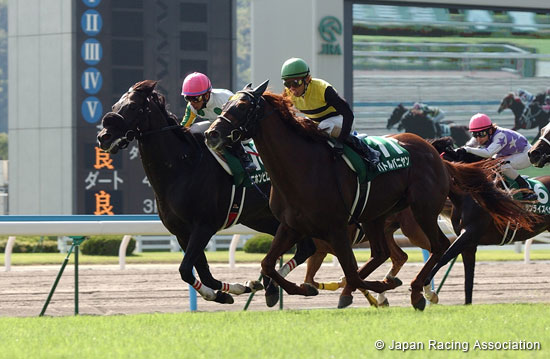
241,106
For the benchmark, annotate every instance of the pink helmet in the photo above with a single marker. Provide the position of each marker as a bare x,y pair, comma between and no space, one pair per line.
195,84
480,122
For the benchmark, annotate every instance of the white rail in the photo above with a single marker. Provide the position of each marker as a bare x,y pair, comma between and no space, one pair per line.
96,225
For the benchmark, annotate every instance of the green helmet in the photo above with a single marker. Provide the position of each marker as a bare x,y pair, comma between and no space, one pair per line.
294,67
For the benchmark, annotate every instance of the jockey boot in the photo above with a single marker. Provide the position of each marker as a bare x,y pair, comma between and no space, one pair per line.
371,156
238,151
529,195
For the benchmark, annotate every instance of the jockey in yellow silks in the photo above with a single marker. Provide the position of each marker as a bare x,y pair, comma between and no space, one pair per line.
320,102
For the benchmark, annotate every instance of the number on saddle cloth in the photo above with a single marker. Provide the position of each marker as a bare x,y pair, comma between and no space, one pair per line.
392,157
543,194
240,177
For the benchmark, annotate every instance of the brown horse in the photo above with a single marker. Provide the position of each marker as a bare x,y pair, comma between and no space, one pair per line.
475,225
539,154
313,189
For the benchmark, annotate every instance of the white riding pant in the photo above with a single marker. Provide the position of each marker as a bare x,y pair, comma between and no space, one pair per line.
516,162
333,125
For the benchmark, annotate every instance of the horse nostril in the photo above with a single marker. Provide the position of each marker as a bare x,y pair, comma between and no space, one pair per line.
214,135
104,137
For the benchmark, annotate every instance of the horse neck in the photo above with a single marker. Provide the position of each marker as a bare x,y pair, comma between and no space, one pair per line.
283,150
162,154
517,108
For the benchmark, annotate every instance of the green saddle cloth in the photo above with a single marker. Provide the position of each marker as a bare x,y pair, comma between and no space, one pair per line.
543,205
240,177
392,157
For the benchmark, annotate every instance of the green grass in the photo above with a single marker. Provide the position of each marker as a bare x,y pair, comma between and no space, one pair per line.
415,255
349,333
542,45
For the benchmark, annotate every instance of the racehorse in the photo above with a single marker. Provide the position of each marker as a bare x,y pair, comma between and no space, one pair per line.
193,192
423,126
524,117
539,154
313,189
475,226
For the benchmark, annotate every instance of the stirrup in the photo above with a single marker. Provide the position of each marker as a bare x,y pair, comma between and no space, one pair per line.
529,196
249,166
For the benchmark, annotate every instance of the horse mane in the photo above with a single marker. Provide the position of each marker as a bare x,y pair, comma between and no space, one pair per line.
306,127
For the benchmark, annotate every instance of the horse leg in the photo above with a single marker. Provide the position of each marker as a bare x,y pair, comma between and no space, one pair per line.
427,220
380,252
304,250
194,249
469,261
284,239
347,260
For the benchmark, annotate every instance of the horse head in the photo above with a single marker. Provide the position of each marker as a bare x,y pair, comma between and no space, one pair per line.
396,115
507,102
129,117
239,117
539,154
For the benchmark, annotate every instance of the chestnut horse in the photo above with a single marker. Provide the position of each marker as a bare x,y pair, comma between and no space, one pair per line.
313,189
192,190
475,226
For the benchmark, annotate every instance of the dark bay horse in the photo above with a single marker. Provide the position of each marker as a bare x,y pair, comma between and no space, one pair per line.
539,154
192,190
424,126
312,189
528,117
475,226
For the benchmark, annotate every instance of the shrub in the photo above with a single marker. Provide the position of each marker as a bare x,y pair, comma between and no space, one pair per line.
105,246
260,243
33,244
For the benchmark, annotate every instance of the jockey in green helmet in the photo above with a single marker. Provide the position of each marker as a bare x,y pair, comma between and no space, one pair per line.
320,102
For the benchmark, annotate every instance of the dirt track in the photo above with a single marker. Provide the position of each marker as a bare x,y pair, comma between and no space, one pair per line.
106,290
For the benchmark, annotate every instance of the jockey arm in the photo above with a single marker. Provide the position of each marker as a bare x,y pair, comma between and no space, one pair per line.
497,144
333,99
189,117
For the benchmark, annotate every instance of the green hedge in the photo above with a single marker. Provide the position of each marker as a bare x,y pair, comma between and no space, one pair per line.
46,246
105,246
260,243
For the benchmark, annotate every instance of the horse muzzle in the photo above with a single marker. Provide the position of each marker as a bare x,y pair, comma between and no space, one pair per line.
213,139
538,159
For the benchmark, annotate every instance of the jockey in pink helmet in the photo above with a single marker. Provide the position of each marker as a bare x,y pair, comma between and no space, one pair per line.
490,140
206,103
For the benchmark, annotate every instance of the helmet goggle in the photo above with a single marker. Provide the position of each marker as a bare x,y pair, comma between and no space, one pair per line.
294,83
194,99
482,133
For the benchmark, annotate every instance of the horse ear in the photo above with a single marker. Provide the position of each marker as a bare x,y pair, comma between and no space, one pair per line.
259,91
248,86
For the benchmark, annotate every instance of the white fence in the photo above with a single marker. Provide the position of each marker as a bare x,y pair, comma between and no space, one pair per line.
85,225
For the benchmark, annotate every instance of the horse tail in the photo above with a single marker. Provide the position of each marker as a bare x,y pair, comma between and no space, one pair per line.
475,179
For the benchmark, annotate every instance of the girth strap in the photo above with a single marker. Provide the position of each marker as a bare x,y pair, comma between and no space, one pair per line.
235,206
361,198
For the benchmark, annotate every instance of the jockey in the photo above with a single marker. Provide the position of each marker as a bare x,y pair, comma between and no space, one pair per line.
206,103
435,114
489,140
320,102
525,97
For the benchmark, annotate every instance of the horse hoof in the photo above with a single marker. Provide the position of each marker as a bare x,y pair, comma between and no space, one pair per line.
434,298
384,303
223,298
393,282
254,285
310,289
345,301
420,304
271,300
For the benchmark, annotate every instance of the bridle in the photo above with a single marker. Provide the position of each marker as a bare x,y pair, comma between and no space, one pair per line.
253,114
144,113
